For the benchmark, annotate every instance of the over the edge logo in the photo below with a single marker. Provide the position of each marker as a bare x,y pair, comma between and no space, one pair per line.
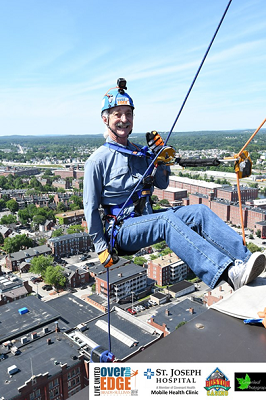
114,380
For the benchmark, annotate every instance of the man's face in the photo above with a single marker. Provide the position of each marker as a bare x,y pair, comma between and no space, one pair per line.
121,120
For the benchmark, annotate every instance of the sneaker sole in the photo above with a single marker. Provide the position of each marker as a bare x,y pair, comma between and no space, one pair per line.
256,269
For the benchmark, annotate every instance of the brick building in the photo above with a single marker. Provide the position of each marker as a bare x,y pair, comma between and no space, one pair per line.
167,269
70,244
123,281
14,260
72,172
76,276
12,288
70,217
172,194
230,193
193,185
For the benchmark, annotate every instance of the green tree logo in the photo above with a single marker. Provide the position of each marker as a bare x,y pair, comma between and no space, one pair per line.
244,382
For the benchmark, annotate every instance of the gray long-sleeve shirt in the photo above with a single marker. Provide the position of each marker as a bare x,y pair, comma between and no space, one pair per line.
110,177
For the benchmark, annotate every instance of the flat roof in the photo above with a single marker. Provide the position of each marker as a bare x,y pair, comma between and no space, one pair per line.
13,324
129,325
126,271
209,185
210,337
73,311
60,351
70,213
177,313
180,286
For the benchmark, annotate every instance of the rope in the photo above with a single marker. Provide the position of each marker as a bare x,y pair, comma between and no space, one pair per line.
198,71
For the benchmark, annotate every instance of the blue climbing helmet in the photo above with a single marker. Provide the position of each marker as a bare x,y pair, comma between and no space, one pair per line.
117,96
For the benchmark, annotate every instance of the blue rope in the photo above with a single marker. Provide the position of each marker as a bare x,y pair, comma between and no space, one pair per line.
198,71
108,308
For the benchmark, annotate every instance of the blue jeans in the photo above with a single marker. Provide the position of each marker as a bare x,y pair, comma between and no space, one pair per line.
194,233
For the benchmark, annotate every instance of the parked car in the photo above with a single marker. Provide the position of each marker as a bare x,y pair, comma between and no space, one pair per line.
72,290
47,287
152,303
90,264
131,311
36,279
146,305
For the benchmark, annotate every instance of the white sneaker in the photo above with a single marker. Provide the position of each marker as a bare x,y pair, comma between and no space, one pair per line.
241,273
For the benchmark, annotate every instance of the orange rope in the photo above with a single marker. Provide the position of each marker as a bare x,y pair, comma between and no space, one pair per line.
251,137
240,208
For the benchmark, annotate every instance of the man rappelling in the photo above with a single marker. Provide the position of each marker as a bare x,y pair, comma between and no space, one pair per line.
115,180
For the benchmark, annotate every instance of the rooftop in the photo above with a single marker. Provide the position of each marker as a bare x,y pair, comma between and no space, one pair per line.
73,311
60,351
173,314
122,273
13,324
196,182
130,335
31,252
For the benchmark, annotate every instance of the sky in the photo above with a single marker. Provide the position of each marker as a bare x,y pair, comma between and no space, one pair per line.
59,58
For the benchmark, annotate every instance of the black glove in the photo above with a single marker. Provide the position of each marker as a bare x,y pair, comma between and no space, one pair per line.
154,141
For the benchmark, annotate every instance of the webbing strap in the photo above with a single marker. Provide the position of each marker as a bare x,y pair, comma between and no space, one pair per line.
142,153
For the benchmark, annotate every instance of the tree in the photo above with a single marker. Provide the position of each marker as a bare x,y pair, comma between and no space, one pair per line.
8,219
12,245
253,247
12,205
77,201
58,232
2,204
181,324
61,207
258,233
75,229
39,219
23,216
154,198
39,264
34,183
140,261
42,241
160,246
164,202
54,276
1,239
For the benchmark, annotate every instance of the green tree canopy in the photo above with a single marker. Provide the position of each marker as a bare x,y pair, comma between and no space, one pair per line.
140,260
58,232
8,219
12,245
12,205
55,276
39,264
75,229
2,204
